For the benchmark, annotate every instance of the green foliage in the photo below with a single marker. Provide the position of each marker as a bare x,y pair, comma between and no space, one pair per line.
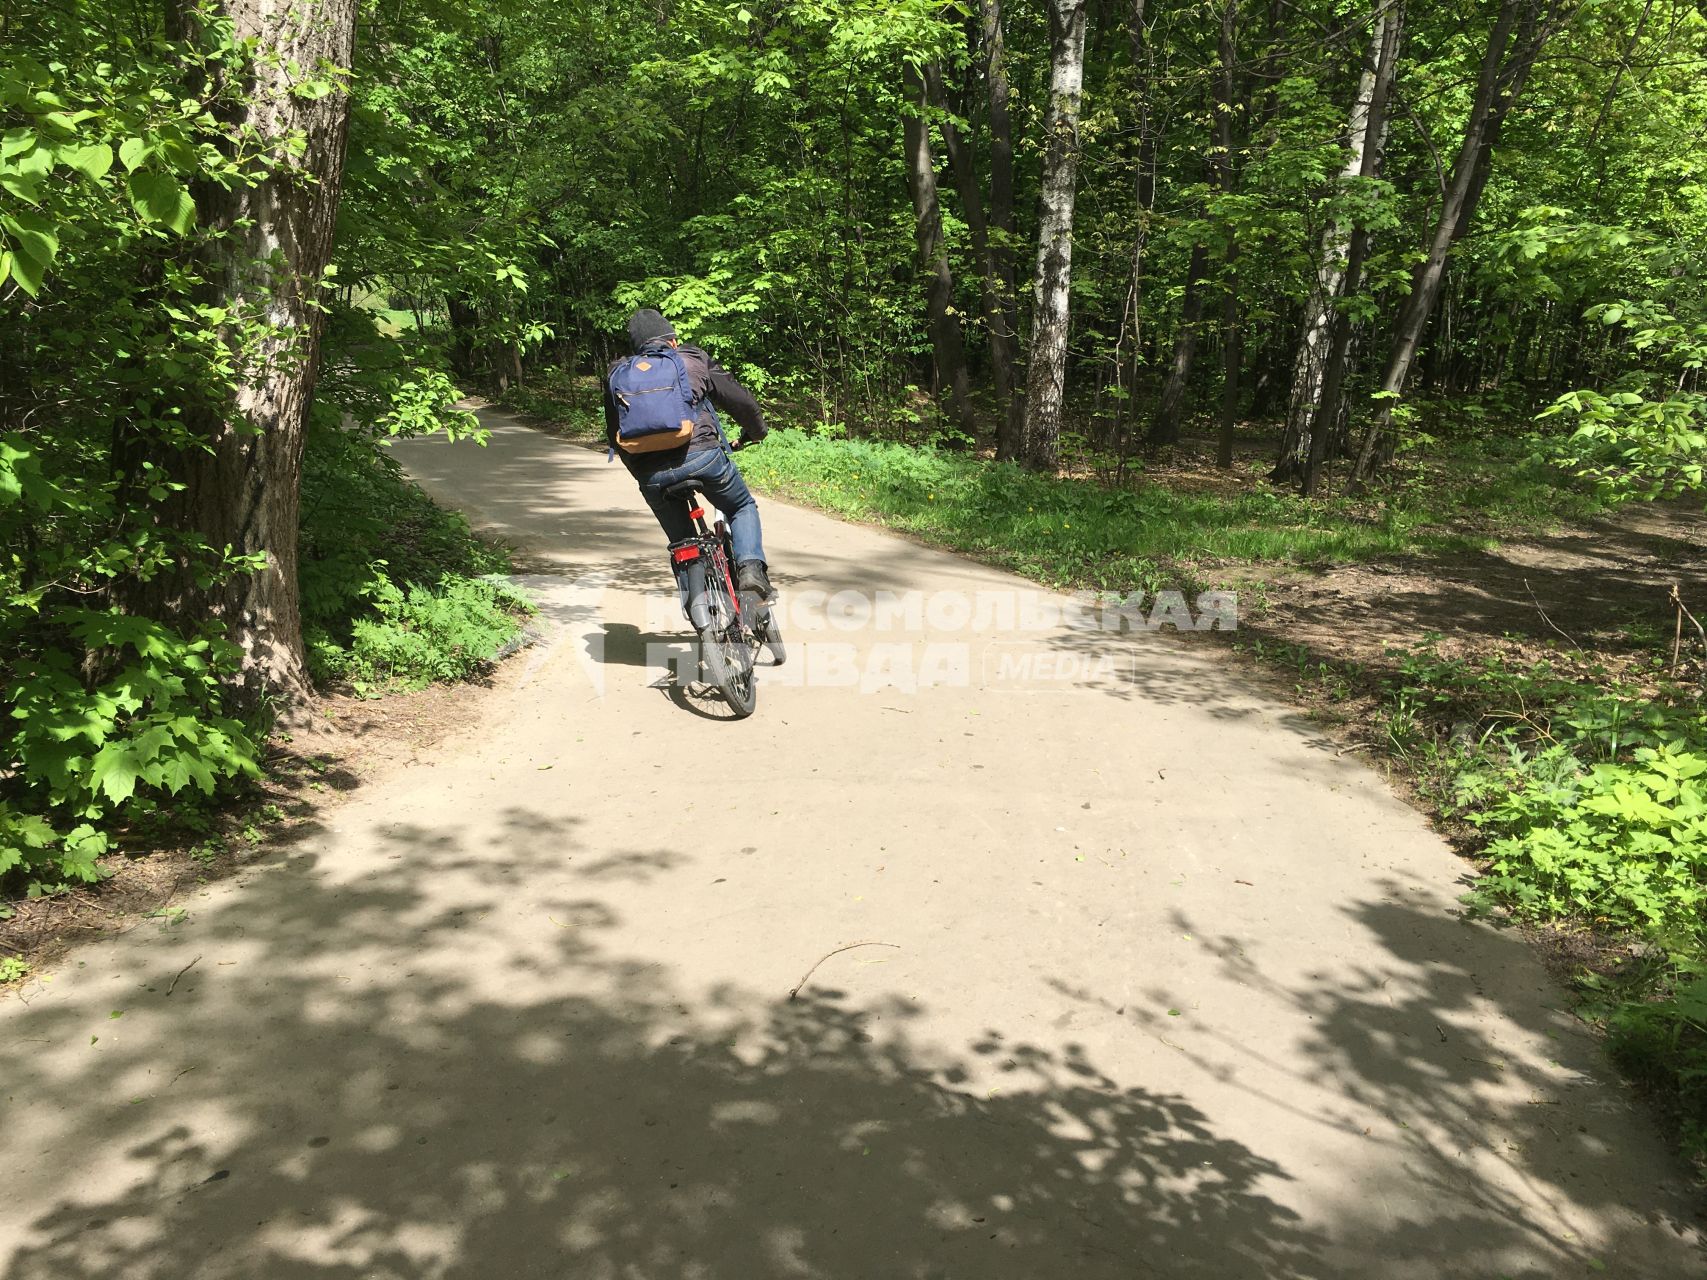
111,337
390,589
1657,1031
1593,797
107,717
1623,843
1644,436
406,639
1080,531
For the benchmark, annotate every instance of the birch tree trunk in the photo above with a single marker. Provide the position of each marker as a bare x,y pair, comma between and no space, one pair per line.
1232,335
1310,360
1324,422
946,346
267,256
1047,370
1144,201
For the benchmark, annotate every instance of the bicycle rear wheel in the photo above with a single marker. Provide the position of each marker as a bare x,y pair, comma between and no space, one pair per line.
724,651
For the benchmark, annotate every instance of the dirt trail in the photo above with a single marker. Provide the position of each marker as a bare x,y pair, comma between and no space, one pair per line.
1173,989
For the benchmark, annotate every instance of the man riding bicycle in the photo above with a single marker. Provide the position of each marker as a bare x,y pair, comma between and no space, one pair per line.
694,448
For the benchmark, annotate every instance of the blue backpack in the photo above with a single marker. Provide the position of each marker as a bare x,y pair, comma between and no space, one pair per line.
655,403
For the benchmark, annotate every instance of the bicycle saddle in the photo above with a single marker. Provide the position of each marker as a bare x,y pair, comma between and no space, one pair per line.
683,489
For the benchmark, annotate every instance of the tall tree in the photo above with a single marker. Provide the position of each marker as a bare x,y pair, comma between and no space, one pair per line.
993,290
1227,105
1011,429
1330,397
266,256
1363,135
1047,370
1520,31
947,348
1170,409
1143,191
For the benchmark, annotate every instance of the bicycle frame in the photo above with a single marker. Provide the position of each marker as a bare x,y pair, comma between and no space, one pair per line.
704,560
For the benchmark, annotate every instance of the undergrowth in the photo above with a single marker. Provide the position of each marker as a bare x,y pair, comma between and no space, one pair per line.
1589,794
1069,531
394,589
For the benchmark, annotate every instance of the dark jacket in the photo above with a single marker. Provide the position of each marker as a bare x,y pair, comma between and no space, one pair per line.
712,385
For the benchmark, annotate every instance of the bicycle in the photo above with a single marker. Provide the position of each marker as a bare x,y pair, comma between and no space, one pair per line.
728,646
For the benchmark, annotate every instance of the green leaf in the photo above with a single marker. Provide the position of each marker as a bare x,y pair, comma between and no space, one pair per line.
16,142
34,234
28,272
133,152
92,160
23,186
161,198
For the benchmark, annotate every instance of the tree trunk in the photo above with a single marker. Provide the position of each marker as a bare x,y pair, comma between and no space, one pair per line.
1047,370
972,208
1144,201
1165,426
1323,425
266,252
1011,430
1498,84
1309,363
464,347
949,353
1232,338
1232,358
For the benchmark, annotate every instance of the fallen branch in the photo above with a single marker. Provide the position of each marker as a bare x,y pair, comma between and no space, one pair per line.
1544,617
181,972
1677,642
795,990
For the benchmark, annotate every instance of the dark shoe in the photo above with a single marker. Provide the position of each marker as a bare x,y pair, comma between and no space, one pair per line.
750,575
755,591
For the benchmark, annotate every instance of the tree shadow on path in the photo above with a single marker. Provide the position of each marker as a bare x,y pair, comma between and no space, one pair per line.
549,1109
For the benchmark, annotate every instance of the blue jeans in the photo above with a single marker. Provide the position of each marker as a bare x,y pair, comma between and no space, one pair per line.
723,486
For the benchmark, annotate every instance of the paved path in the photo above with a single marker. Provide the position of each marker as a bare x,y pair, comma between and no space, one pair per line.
1171,989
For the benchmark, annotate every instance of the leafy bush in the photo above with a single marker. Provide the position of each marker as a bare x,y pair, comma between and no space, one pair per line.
107,333
392,595
1625,843
85,751
1645,434
1594,796
1661,1042
414,637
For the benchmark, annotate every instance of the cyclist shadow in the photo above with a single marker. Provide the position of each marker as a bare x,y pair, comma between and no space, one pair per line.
622,644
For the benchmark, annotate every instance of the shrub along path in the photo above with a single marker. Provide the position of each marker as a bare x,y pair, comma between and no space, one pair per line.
1170,987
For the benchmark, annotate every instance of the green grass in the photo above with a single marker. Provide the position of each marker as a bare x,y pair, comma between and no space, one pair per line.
1080,532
